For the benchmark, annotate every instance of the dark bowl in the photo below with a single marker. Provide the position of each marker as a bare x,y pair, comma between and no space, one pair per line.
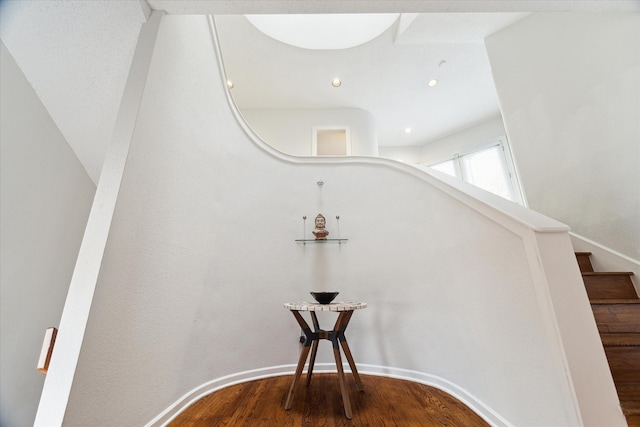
324,297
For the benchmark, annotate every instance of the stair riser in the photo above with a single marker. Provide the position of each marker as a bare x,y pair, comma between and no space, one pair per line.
614,286
584,262
625,368
616,318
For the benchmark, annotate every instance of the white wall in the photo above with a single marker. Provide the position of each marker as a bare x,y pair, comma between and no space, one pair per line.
570,96
445,148
464,141
405,153
201,256
46,196
290,130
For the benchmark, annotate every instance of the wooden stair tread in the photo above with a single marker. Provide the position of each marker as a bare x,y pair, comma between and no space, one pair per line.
610,285
629,395
621,339
615,305
617,318
607,273
630,407
615,301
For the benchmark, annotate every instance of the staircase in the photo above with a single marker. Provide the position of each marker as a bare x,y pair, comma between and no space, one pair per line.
616,308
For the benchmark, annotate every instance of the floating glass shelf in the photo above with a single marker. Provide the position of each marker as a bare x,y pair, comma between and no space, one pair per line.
305,241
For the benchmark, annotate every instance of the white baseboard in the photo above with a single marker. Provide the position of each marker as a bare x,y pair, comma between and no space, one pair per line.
607,259
212,386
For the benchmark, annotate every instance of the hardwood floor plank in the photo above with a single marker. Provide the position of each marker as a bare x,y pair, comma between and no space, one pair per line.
385,402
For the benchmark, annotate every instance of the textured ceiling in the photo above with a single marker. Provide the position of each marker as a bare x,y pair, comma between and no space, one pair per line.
76,55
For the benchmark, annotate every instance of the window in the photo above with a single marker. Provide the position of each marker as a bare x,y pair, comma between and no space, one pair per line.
489,168
331,141
448,167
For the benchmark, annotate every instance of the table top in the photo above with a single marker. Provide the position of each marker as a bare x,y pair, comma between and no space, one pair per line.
334,306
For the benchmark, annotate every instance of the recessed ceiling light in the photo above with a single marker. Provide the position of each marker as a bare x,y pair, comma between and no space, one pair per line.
432,82
407,130
230,84
336,83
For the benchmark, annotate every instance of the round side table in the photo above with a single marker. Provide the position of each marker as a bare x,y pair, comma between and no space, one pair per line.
336,335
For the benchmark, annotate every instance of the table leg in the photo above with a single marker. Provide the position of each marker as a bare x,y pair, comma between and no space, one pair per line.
343,388
314,347
314,319
340,327
312,361
303,356
352,363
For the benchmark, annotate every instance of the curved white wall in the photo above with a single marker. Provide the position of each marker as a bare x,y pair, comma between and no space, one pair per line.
290,130
201,256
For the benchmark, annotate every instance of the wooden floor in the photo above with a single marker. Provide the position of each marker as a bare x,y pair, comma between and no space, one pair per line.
386,402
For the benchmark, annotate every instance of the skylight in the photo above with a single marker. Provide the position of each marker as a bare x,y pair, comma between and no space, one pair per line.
323,31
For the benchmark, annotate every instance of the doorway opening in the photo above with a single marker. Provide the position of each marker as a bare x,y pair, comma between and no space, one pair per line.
331,141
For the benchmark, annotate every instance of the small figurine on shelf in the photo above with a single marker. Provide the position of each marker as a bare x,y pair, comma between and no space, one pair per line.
320,232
